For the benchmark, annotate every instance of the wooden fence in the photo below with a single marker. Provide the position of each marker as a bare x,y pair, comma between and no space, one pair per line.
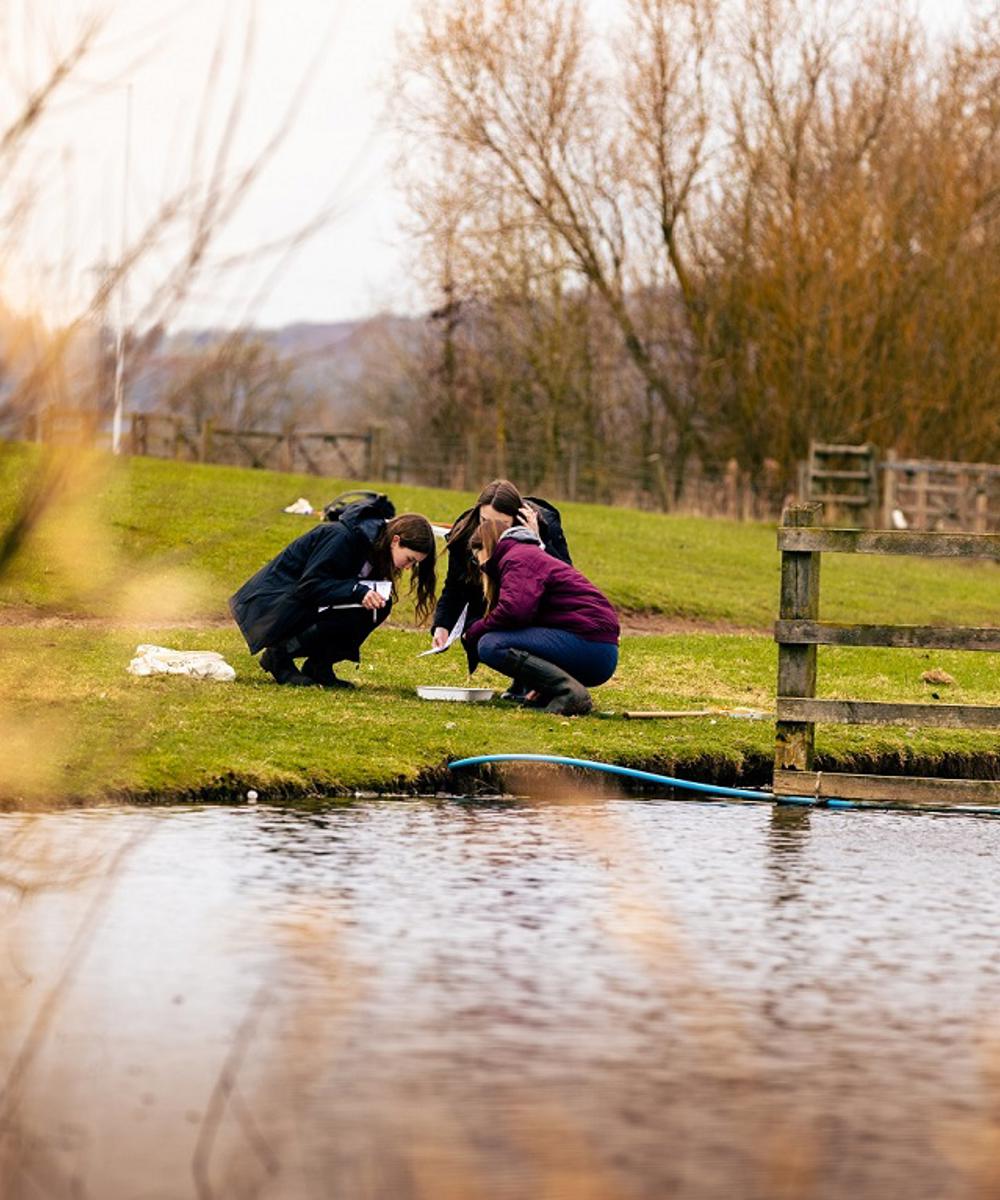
856,488
844,479
349,455
853,485
799,632
57,426
940,495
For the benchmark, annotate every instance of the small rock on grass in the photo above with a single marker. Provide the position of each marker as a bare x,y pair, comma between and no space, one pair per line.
937,676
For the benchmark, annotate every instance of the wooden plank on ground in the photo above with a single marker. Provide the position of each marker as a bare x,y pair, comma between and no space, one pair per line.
667,714
926,637
895,789
870,712
890,541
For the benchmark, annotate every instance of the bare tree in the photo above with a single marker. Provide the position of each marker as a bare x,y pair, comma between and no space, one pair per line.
173,245
786,211
511,91
239,381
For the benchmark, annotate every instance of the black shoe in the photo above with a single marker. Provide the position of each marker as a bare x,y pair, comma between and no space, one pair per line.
280,665
565,695
323,674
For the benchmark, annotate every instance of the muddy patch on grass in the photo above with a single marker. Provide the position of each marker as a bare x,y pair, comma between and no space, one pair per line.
37,618
647,623
633,623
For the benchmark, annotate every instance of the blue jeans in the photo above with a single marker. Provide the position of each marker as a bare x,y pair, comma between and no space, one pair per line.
589,662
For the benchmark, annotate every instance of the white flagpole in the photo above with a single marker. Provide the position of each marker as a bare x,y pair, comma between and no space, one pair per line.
119,392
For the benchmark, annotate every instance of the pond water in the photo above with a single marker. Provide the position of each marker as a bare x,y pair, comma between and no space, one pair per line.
595,997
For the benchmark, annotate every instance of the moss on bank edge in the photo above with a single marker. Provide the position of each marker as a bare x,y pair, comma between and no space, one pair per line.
75,727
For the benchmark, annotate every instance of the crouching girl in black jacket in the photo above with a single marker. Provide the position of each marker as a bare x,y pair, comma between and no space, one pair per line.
317,599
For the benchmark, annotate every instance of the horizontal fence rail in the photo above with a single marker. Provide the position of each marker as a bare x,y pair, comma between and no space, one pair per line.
913,637
879,712
896,789
891,541
799,631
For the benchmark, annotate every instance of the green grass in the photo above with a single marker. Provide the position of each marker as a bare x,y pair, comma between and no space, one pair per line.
89,730
150,546
213,526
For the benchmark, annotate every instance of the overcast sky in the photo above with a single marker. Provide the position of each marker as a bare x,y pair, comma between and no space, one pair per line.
157,55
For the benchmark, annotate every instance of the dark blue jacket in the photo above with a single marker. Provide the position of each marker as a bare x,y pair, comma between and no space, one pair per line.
319,568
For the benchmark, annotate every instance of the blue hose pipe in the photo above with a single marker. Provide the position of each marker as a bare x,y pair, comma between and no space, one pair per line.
708,789
720,793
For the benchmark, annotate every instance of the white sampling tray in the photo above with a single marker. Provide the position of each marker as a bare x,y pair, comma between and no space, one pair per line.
455,693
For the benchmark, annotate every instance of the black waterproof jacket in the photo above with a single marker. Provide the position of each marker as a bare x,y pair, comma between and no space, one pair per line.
320,568
461,590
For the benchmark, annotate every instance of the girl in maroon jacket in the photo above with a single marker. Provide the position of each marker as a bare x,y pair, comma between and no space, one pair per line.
546,625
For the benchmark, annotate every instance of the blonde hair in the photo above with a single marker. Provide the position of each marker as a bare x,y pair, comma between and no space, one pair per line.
485,538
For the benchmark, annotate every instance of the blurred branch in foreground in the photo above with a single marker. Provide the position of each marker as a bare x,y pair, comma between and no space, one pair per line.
163,263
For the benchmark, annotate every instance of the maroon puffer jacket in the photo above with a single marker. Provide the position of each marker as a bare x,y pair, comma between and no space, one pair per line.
537,589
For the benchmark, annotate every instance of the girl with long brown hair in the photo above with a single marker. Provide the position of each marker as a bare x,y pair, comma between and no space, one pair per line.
327,591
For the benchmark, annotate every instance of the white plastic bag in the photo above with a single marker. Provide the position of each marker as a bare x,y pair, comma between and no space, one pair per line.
199,664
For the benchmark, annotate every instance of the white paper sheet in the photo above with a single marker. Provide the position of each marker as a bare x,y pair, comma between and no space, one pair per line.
455,633
382,586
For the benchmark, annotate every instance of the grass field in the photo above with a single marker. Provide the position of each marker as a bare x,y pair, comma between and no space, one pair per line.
148,551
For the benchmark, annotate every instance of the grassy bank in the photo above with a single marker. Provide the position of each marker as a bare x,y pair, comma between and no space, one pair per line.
152,550
112,734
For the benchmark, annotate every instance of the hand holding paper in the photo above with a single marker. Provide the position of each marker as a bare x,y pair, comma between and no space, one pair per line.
455,633
377,596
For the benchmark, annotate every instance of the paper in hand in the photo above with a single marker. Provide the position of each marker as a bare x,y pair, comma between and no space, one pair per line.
382,586
455,633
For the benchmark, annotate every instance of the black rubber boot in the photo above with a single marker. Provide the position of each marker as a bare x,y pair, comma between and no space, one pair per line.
279,664
323,673
567,696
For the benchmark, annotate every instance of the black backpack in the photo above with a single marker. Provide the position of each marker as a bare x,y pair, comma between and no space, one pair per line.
337,506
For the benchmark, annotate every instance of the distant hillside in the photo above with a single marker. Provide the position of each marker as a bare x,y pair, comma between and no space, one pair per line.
330,358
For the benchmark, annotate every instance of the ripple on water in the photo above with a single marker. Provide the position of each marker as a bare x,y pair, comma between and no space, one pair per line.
660,995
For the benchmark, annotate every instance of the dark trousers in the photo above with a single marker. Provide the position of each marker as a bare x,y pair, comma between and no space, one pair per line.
591,663
337,634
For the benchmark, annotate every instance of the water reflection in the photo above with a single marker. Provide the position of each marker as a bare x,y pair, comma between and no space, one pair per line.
599,998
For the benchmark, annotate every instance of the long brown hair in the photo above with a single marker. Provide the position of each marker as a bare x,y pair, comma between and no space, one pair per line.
486,538
500,494
415,533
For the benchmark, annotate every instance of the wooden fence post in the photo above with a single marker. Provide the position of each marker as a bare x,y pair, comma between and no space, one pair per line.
286,456
205,445
889,489
471,481
794,740
982,506
920,505
376,452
